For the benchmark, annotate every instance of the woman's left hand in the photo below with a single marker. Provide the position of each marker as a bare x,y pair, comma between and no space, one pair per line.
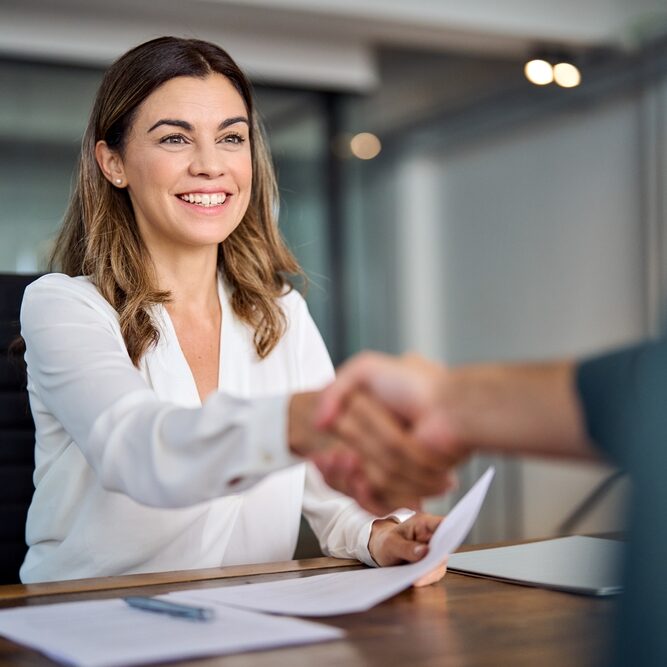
393,543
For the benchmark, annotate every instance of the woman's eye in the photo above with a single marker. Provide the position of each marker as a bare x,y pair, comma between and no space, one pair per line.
173,139
234,139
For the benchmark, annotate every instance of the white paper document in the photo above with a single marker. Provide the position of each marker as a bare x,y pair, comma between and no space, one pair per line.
109,633
349,592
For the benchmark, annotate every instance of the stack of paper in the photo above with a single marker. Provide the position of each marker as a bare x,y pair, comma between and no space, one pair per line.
109,633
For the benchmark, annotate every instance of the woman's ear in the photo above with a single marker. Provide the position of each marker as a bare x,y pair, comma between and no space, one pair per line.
111,164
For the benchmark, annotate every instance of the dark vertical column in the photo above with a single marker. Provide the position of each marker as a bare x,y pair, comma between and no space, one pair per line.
335,227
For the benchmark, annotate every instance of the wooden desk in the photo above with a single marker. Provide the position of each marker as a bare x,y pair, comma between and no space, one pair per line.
460,621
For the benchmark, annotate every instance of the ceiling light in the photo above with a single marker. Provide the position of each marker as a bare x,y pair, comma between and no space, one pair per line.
365,146
567,75
538,71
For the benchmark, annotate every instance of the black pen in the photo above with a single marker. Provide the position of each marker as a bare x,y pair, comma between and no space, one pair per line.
171,608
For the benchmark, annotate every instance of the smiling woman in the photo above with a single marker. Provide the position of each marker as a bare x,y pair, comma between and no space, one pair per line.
173,372
136,120
189,190
188,176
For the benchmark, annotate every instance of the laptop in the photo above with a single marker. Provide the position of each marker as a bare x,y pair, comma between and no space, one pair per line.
576,564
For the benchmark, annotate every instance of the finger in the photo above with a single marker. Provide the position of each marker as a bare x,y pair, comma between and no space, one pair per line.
382,439
325,461
400,384
420,527
381,504
365,427
442,438
432,577
424,526
338,467
394,447
357,426
399,550
387,482
388,478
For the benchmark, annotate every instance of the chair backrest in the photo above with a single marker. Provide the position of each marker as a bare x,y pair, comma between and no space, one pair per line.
17,433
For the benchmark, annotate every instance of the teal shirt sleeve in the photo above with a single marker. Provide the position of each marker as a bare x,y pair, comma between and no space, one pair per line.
624,400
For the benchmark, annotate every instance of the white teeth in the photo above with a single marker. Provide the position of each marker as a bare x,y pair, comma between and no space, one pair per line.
205,199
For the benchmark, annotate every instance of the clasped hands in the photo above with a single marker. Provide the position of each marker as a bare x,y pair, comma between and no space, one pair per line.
377,435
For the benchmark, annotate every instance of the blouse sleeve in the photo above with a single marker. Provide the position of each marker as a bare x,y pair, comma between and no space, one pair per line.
158,453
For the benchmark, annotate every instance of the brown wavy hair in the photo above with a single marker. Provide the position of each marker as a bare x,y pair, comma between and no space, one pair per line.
100,239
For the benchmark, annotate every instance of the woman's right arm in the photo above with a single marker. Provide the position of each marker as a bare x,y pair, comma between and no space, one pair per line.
156,452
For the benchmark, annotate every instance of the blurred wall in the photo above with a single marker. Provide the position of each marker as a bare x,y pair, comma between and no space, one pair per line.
522,236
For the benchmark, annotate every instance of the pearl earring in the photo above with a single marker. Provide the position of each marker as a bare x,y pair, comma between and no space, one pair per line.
119,181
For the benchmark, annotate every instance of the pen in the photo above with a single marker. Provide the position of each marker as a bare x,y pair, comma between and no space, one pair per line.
171,608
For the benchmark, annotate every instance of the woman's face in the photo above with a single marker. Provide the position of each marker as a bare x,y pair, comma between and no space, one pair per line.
187,162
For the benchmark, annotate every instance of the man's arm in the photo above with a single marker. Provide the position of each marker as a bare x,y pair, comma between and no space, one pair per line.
528,408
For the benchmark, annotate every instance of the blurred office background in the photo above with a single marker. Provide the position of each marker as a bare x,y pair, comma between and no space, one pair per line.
499,219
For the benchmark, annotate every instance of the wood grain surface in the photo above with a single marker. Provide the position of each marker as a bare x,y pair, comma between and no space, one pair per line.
460,621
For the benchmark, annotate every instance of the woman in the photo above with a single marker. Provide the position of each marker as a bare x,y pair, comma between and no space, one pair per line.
162,360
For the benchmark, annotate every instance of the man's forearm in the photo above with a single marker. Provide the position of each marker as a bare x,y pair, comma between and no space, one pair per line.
517,409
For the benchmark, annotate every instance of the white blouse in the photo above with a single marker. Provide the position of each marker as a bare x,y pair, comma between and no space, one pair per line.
134,474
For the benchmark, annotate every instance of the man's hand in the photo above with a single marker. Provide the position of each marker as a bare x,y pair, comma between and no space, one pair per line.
419,392
408,385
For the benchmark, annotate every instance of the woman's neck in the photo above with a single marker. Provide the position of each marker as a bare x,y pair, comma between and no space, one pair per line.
190,277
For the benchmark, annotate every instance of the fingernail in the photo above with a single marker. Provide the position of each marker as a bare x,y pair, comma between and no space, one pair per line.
420,550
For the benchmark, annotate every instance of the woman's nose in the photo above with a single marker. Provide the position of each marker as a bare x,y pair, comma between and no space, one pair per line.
208,161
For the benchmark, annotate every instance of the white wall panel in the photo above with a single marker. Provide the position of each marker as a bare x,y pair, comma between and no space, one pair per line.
538,246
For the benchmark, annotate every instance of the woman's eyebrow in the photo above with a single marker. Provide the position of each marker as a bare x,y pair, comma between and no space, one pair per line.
170,121
232,121
187,126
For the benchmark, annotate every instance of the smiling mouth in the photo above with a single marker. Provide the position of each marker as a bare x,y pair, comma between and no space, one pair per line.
204,199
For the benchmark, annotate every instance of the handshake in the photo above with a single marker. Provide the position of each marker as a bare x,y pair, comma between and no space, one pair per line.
389,431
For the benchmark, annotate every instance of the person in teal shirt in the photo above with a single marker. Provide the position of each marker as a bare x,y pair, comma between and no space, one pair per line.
612,406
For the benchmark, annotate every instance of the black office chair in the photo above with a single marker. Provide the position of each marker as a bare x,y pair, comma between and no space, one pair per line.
17,433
